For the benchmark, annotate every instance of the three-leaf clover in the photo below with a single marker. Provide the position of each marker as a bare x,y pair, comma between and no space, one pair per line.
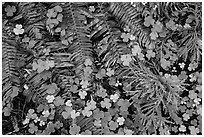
10,10
68,103
106,103
87,112
74,114
74,129
149,21
114,97
32,128
50,98
109,72
182,128
126,59
113,125
82,94
120,120
136,49
67,113
58,101
193,130
150,54
18,29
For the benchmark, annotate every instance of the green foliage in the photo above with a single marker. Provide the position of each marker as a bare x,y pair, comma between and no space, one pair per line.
96,68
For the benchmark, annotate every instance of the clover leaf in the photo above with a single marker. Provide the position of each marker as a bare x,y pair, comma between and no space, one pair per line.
149,21
18,29
74,114
182,128
87,112
68,103
50,98
106,103
193,130
84,83
136,49
113,125
74,129
58,101
32,128
126,59
97,123
109,72
150,54
67,113
120,120
82,94
58,8
186,117
10,10
91,8
114,97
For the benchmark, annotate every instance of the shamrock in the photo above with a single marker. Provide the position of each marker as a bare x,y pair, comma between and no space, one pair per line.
41,65
182,65
10,10
67,113
51,88
74,89
31,114
74,129
91,8
18,29
97,114
82,94
157,27
106,103
74,114
86,132
153,35
171,25
101,93
46,113
26,121
128,131
186,116
127,36
113,125
87,112
59,18
32,128
58,101
50,98
51,13
127,29
187,26
109,72
124,104
120,120
141,56
58,8
192,94
36,119
101,73
126,59
150,54
84,83
88,62
182,128
149,21
193,130
42,123
136,49
97,123
91,104
68,103
164,63
114,97
192,66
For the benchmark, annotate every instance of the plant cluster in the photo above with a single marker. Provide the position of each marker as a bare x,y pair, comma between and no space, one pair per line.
93,68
